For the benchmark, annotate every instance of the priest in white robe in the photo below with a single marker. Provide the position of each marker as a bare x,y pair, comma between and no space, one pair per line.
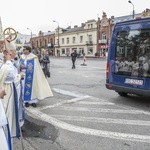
17,81
35,85
10,100
5,139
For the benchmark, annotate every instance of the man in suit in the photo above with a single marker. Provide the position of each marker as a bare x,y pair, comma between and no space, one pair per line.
73,56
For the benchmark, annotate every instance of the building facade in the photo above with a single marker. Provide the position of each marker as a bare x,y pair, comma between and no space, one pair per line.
82,39
104,29
44,40
91,38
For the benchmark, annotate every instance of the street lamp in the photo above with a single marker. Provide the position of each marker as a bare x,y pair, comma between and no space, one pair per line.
31,35
133,7
57,33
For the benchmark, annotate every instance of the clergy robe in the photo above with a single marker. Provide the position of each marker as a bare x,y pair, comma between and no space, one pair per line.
35,85
5,139
10,101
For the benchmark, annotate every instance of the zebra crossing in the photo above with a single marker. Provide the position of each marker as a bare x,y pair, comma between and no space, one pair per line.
96,117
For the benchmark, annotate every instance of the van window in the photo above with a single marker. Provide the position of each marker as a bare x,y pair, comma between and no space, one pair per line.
132,53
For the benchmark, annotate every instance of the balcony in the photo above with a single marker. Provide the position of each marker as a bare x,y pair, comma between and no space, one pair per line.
103,41
89,43
56,45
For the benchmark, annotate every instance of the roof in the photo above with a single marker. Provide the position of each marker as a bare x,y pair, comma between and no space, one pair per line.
76,29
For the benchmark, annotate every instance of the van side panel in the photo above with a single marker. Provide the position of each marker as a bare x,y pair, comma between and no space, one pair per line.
129,58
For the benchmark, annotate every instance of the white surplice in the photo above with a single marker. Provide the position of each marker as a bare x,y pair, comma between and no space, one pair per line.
3,135
6,80
40,86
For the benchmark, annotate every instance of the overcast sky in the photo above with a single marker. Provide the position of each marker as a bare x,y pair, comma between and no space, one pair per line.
39,14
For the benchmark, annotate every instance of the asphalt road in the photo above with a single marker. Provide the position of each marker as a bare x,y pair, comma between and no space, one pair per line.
84,115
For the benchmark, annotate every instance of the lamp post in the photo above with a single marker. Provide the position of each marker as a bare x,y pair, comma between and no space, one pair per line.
31,36
133,7
57,35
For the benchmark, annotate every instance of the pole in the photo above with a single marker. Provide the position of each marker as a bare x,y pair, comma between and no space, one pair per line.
133,8
58,36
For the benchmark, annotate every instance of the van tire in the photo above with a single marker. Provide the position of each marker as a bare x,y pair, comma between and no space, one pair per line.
122,94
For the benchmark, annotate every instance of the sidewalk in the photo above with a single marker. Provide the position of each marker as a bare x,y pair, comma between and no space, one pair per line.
17,145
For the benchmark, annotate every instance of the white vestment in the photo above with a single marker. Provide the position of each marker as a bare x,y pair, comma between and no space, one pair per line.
17,81
6,80
35,85
3,135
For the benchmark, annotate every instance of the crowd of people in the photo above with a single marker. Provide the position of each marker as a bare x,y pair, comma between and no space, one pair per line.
21,81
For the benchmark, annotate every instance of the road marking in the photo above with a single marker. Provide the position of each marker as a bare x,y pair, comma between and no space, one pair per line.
95,103
103,120
108,134
36,113
102,110
73,94
64,102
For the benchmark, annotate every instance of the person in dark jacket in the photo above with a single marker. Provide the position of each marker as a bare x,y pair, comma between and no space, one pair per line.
73,56
44,61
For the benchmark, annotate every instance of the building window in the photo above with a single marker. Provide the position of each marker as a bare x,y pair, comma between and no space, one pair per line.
81,39
90,37
63,40
81,50
74,49
103,23
90,50
91,25
73,40
63,51
88,26
104,36
67,40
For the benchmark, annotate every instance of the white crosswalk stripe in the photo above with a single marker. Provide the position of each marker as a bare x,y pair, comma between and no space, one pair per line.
99,110
114,135
103,120
92,106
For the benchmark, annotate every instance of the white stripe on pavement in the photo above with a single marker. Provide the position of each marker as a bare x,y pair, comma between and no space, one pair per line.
122,111
95,103
103,120
64,102
73,94
115,135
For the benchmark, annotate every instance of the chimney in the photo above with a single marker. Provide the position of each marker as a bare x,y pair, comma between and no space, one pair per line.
147,10
75,26
82,24
69,27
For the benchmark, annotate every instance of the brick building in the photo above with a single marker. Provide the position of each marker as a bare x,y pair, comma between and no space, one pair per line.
44,40
104,29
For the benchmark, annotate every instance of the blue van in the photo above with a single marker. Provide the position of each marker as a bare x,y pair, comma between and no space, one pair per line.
128,64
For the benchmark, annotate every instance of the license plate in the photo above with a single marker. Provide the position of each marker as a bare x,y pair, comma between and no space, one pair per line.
133,81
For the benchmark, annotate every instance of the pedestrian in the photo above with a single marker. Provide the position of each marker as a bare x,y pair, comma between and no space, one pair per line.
44,62
73,57
5,139
84,59
35,85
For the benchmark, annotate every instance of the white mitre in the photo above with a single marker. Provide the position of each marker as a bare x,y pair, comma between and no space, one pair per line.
10,45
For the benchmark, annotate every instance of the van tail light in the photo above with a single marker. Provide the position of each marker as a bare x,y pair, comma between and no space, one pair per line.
107,70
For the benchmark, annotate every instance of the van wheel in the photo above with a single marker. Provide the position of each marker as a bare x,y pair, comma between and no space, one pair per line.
122,94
